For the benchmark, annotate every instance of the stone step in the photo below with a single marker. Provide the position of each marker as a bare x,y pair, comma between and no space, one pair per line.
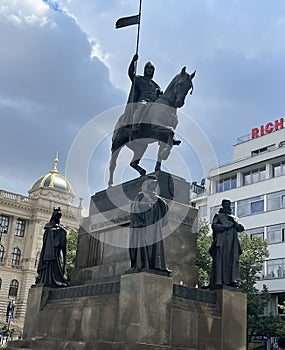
56,344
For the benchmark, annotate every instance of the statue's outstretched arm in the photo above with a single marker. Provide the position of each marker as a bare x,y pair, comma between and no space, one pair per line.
131,71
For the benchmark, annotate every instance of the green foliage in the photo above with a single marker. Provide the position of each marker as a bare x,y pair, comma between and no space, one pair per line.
270,326
71,252
251,261
203,258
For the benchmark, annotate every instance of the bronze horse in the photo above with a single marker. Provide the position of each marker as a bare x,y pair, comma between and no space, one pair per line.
145,123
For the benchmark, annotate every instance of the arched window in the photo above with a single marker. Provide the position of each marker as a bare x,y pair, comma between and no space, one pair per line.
2,250
13,290
16,256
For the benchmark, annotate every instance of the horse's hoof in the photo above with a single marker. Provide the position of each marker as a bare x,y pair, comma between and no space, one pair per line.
176,142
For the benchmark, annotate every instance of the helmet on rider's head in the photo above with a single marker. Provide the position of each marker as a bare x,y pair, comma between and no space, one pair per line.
147,66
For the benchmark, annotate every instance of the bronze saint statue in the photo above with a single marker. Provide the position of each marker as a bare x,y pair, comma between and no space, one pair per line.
52,262
150,116
148,217
225,249
145,89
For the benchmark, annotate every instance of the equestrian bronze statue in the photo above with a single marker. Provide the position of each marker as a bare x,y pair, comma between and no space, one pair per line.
145,122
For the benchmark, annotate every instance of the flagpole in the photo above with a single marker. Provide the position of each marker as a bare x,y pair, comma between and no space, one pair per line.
139,26
138,35
135,69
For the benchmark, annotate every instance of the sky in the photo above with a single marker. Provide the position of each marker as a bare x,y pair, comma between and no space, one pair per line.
64,82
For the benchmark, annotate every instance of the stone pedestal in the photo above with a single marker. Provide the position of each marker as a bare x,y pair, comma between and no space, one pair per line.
232,306
144,309
107,309
37,299
141,312
104,236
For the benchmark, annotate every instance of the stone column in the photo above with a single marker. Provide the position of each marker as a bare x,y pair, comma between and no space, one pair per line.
10,241
144,309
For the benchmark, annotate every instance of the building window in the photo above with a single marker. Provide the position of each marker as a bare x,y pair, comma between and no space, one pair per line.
256,232
4,223
2,251
198,189
275,233
13,290
276,200
0,283
275,268
227,184
278,169
254,176
16,256
202,211
263,150
250,206
20,228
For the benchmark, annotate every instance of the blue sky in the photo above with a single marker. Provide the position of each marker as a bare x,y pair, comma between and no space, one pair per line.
63,66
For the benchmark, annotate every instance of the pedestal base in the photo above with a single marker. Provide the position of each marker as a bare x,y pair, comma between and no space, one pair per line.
144,311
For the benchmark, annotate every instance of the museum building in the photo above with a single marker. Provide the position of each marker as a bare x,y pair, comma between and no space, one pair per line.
22,221
255,183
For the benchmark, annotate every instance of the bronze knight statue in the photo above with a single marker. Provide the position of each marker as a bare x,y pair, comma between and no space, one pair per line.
52,262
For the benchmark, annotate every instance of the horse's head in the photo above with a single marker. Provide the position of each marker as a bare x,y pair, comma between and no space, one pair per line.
182,85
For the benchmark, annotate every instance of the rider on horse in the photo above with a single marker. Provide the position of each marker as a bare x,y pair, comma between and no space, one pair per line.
144,89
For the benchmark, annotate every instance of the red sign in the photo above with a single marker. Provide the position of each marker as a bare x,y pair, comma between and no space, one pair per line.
267,128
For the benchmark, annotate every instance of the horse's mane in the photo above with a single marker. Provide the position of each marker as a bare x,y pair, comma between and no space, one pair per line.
171,84
178,76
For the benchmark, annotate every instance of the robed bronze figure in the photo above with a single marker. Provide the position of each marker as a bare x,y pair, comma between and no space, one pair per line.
225,249
52,262
148,217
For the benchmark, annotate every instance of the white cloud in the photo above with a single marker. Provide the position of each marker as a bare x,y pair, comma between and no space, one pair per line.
24,11
56,69
49,88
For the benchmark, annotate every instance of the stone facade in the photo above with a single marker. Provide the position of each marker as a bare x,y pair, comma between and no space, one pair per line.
27,216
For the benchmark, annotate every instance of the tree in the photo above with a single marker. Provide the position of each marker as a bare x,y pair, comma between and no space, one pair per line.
203,258
251,264
71,252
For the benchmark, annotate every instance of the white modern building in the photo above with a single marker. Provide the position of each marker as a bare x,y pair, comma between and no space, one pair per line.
22,221
255,183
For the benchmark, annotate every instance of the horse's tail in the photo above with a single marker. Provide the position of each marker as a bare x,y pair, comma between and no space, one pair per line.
120,137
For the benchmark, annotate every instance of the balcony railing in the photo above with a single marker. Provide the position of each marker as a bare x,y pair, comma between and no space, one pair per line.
13,196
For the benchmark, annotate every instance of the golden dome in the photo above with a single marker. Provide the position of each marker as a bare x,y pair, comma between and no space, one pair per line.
53,180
